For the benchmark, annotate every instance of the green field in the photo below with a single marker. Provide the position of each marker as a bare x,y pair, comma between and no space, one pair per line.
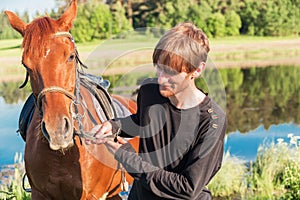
122,55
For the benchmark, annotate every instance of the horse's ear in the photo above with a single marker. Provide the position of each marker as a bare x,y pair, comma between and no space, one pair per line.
16,22
66,20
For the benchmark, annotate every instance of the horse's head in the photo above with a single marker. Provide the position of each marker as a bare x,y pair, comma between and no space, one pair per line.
49,56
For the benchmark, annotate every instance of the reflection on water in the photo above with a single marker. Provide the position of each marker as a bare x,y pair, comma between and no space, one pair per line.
260,102
262,96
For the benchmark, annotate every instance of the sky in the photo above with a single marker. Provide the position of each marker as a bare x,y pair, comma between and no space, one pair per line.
30,5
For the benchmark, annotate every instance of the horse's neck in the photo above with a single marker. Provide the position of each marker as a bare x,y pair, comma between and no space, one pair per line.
100,152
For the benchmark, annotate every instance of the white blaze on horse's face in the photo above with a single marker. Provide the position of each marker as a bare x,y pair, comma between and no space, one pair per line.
47,52
50,62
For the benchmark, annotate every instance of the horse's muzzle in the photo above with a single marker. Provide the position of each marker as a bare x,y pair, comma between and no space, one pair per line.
60,135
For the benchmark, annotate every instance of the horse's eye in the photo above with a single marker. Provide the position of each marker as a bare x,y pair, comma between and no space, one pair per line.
71,58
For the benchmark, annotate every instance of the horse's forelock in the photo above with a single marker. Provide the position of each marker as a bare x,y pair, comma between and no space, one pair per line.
37,34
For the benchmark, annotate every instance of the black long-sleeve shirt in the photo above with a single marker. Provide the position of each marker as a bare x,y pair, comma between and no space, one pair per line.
180,149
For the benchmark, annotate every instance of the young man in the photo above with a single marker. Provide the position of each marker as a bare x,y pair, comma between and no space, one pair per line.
181,129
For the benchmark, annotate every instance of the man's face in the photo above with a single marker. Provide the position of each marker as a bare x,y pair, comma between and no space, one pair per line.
170,81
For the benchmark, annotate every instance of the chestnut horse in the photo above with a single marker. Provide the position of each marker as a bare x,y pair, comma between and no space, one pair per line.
58,164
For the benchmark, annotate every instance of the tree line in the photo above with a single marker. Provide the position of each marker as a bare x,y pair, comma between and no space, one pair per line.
98,19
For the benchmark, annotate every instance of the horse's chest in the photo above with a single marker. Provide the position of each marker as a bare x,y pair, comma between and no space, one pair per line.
52,170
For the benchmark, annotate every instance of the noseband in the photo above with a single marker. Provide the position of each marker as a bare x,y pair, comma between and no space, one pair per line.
52,89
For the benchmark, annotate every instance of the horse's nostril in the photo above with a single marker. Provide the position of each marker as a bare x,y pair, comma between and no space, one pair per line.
66,127
44,130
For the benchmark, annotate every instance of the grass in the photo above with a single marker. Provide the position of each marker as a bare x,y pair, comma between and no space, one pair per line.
10,48
11,181
273,175
231,179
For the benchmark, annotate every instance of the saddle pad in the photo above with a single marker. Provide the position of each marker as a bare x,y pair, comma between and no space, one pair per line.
26,115
120,109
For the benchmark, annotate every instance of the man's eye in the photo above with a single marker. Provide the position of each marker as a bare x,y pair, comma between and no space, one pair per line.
166,70
170,72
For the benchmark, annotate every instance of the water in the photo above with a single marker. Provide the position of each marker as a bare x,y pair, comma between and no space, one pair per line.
10,141
244,146
262,105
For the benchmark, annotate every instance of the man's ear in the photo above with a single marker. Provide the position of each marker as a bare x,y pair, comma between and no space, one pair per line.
199,70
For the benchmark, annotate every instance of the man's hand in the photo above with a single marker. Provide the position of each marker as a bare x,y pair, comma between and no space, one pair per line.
101,133
114,146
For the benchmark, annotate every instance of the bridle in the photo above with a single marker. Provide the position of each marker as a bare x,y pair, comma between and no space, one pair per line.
76,103
49,90
57,88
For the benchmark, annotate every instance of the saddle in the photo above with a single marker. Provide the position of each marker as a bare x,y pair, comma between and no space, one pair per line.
106,107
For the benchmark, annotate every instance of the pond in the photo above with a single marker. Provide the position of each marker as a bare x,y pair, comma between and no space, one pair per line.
262,104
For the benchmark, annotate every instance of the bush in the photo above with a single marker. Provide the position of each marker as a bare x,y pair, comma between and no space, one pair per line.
291,181
270,173
275,174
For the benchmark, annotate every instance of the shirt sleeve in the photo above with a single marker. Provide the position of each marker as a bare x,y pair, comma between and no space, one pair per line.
204,160
148,95
128,126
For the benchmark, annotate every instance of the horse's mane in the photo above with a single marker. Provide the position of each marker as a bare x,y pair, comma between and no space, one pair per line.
36,35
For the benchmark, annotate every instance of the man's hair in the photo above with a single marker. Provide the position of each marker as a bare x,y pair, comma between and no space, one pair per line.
182,48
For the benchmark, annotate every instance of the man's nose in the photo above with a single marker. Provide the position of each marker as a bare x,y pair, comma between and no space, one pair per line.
162,78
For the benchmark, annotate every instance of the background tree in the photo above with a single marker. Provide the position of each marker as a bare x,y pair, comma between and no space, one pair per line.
216,25
249,14
199,14
119,20
94,21
217,18
233,23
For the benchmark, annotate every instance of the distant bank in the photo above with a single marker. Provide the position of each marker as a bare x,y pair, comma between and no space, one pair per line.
235,52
